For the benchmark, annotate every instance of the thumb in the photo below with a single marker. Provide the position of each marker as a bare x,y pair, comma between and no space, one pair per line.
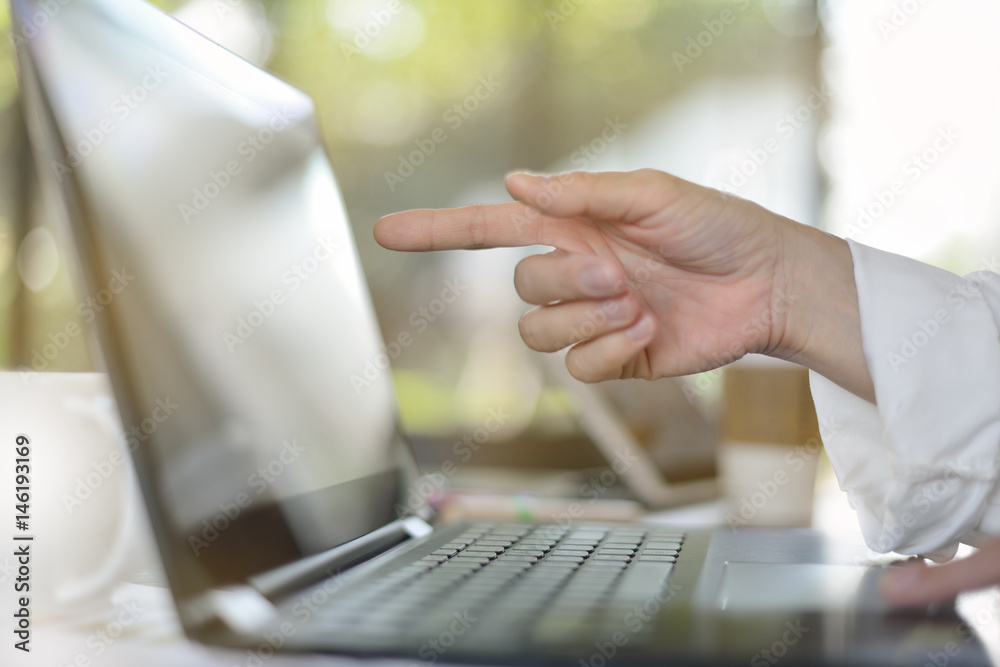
612,196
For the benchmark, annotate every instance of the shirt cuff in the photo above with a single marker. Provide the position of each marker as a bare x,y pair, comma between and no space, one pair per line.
921,467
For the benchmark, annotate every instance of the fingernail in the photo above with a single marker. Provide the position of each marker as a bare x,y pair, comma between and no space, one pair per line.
641,330
597,280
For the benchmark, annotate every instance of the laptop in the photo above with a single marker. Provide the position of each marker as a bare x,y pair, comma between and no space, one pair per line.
280,489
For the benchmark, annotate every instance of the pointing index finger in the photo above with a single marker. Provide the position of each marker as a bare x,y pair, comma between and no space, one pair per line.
470,227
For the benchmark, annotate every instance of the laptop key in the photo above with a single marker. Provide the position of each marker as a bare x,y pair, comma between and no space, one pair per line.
507,557
582,553
542,586
657,559
588,533
638,535
667,537
547,535
461,558
420,567
543,537
504,563
517,551
554,570
483,549
582,582
511,530
564,559
434,559
482,526
550,527
494,543
557,570
532,544
663,545
604,564
458,560
595,571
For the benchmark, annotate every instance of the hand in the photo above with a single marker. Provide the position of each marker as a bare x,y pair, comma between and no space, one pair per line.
915,583
653,276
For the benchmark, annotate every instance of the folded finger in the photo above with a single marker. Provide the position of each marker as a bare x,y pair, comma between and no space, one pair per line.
552,328
558,276
606,357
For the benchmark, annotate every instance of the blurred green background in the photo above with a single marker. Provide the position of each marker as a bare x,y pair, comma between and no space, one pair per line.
509,84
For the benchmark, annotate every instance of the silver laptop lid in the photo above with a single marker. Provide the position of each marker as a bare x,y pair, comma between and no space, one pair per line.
232,311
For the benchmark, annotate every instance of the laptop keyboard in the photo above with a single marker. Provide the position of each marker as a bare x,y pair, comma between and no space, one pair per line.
503,585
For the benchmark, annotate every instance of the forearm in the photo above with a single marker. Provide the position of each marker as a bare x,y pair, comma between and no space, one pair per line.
823,324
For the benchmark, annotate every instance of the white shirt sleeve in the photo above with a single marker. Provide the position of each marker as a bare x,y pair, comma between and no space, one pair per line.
921,467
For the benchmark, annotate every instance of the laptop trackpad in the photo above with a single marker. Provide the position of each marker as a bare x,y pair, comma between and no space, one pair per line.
755,587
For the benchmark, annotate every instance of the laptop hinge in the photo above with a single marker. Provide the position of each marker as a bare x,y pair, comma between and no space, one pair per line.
288,578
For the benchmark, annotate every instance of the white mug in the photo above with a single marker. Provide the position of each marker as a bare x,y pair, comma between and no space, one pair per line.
84,513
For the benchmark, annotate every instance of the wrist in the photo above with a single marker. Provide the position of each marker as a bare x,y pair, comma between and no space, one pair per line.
821,328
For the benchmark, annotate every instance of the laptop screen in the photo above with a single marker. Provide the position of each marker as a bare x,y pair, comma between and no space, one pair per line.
223,278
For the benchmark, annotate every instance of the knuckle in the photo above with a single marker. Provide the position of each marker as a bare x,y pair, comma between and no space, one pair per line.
589,323
477,227
653,177
609,310
658,180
